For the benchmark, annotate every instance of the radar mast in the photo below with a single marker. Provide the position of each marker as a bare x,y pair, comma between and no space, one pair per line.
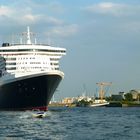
28,35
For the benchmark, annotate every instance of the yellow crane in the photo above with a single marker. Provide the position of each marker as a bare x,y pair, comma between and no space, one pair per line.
101,91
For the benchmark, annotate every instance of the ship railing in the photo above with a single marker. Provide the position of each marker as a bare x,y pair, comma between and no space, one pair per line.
39,72
40,44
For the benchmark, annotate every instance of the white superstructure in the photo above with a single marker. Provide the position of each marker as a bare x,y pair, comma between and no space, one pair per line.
30,58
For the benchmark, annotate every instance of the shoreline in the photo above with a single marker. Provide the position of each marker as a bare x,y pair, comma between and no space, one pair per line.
111,104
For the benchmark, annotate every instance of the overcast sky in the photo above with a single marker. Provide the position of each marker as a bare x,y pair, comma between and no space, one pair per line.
102,39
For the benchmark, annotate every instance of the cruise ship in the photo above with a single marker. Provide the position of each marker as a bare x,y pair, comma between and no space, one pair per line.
29,74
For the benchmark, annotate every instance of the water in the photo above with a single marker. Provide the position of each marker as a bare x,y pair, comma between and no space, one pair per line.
72,124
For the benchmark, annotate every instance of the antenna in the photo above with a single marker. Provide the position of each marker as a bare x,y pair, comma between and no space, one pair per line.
35,41
28,35
13,38
85,90
20,40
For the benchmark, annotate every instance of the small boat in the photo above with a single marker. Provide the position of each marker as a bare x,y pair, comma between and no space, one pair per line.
39,114
99,104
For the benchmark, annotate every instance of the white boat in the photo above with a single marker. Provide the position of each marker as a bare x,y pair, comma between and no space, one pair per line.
99,103
39,115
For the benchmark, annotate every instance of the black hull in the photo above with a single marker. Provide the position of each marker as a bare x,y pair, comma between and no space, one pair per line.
29,93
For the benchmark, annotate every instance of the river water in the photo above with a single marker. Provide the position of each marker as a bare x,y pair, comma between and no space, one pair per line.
72,124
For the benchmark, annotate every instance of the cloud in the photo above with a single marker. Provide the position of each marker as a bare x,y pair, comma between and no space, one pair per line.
5,11
26,15
65,31
115,9
106,5
43,19
55,7
52,20
30,18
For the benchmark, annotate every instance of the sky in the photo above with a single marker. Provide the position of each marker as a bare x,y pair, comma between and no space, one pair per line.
102,38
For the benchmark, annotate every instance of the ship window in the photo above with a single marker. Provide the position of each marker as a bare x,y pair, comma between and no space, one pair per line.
54,59
10,58
32,50
54,63
11,63
12,68
35,62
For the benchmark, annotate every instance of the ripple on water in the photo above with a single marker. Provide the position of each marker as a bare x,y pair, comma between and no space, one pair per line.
73,123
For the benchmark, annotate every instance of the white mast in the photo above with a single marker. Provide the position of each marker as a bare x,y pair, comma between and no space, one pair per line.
28,36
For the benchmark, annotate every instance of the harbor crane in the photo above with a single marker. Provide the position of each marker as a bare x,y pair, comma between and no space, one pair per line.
101,91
